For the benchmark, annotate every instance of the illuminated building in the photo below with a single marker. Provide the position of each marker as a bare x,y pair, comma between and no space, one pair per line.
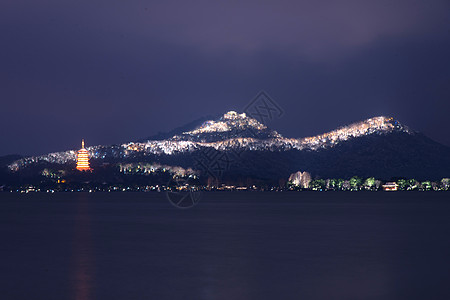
390,186
83,159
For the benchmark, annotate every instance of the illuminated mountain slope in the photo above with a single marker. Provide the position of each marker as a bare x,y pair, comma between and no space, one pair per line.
376,146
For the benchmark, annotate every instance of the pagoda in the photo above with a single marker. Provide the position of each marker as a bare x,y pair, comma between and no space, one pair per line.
83,159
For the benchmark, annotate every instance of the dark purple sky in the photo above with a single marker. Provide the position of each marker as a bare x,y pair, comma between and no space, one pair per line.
115,71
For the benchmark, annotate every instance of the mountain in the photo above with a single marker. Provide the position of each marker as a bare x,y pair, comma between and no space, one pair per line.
5,174
187,127
7,159
230,126
237,147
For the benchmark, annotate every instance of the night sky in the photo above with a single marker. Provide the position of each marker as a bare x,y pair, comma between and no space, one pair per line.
116,71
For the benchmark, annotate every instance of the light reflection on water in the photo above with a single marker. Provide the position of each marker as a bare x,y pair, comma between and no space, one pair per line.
230,246
83,258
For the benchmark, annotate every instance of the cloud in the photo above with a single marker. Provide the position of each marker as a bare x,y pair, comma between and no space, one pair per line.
316,30
310,29
126,69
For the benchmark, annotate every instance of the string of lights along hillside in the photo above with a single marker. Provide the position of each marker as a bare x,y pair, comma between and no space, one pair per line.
83,158
230,132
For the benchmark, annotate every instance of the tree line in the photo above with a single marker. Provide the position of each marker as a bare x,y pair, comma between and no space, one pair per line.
303,181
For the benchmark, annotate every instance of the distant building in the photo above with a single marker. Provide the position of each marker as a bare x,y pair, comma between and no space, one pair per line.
390,186
83,159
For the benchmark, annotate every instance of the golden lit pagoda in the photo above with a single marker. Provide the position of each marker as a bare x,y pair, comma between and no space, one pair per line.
83,159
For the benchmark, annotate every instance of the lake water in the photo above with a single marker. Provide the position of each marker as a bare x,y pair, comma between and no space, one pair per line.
232,245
